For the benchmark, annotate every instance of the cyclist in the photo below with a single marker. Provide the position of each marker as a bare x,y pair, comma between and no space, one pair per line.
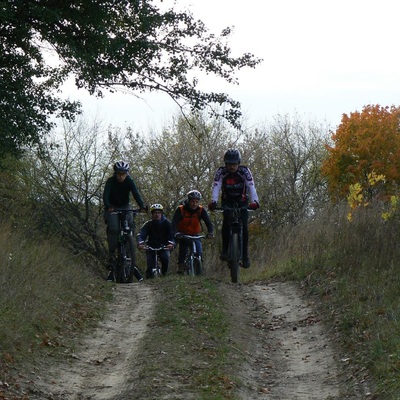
236,184
116,195
187,220
157,232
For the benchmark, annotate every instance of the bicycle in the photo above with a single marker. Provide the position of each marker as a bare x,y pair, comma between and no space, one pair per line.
125,268
235,247
156,271
193,261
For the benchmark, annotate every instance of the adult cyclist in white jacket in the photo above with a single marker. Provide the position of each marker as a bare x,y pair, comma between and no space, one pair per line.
236,185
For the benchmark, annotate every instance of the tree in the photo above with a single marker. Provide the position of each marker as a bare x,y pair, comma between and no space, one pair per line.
111,44
285,160
365,143
180,159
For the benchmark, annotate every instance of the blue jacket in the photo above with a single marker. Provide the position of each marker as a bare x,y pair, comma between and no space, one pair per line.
156,233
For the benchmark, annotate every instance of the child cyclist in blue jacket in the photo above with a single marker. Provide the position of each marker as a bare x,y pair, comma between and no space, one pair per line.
156,233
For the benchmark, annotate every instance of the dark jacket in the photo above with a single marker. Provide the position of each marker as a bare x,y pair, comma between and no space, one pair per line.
156,233
116,194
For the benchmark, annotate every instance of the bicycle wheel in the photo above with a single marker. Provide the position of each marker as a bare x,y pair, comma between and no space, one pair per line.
198,266
120,267
157,272
234,258
189,265
129,264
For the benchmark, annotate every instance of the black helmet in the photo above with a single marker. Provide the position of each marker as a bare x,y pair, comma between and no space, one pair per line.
121,166
232,156
194,194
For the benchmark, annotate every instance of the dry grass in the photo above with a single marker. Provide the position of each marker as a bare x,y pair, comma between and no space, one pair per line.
47,294
354,268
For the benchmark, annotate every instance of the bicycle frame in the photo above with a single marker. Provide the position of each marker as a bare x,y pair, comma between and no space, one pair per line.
126,256
193,262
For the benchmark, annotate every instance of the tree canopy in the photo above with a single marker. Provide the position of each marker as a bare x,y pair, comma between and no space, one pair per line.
365,143
104,45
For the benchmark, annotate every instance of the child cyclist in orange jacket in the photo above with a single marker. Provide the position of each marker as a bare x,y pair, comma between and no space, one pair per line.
187,220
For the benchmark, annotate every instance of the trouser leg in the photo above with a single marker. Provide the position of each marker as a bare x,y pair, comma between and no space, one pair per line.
164,258
150,262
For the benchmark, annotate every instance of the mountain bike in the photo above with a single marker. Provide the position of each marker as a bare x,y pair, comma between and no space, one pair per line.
125,268
193,261
156,271
235,247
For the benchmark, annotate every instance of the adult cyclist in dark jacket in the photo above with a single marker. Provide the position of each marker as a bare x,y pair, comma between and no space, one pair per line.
156,233
236,184
187,220
116,195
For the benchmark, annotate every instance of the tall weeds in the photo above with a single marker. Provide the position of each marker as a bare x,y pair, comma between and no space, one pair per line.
46,294
354,268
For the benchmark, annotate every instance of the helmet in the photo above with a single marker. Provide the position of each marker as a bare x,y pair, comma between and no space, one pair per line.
121,166
156,207
194,194
232,156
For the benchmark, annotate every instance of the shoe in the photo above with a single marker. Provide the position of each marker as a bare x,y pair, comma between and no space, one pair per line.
140,280
223,256
246,262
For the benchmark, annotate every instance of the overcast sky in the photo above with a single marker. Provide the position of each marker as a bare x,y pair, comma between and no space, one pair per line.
321,59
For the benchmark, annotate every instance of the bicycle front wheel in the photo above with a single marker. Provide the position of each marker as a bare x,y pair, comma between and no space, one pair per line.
234,261
130,259
190,265
198,266
120,270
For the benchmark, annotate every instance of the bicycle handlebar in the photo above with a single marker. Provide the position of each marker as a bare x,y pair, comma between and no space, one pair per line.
232,208
190,237
123,210
155,248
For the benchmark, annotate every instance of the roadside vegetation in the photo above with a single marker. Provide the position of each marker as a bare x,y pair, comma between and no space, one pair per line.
345,251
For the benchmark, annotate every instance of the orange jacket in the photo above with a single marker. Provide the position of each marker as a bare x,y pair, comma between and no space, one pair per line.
189,224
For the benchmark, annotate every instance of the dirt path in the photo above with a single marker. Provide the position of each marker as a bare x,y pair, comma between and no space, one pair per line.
288,354
291,357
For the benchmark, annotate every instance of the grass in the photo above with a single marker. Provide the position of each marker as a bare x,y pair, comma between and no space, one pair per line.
48,295
353,268
193,347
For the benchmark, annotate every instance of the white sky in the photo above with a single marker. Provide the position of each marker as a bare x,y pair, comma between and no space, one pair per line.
321,59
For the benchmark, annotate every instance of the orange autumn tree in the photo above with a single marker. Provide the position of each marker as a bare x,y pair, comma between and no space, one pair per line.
365,143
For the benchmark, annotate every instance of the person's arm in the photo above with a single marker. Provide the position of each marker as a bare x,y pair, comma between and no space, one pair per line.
143,234
169,235
106,194
216,186
206,218
175,219
251,187
136,195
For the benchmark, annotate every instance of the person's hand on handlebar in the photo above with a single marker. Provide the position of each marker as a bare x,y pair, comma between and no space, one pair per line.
141,246
210,235
170,246
212,206
254,205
